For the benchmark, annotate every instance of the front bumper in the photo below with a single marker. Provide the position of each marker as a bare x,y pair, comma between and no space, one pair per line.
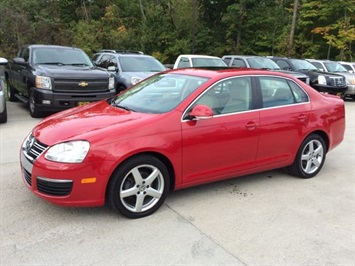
330,89
48,100
350,90
67,184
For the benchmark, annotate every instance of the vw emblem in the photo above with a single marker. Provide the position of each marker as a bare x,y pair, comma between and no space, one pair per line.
29,144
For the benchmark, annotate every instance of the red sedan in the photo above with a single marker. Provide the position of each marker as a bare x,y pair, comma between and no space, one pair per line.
178,129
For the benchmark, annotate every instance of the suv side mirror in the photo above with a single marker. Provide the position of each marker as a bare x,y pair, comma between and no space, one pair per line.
112,69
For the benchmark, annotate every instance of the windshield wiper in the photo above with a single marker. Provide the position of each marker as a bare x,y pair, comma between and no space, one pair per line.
78,64
51,63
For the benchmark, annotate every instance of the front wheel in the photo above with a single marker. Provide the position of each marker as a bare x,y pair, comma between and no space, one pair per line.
34,110
310,157
10,92
139,186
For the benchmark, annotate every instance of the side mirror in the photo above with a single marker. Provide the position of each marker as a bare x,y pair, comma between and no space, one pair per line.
20,60
200,112
3,61
111,69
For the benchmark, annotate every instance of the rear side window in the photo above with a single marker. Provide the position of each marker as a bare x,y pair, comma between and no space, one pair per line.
279,92
238,63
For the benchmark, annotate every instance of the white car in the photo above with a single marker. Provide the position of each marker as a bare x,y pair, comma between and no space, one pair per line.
350,67
194,60
3,110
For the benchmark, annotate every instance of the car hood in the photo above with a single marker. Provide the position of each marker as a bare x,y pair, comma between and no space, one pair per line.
141,75
71,71
292,73
90,122
318,72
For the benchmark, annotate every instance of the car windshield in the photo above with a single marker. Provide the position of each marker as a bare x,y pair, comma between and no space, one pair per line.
60,56
302,65
140,64
262,63
158,94
335,67
208,62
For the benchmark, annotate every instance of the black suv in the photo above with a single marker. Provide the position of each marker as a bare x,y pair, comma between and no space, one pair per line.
319,80
128,67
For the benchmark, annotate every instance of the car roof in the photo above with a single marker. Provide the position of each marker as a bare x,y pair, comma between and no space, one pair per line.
198,56
224,72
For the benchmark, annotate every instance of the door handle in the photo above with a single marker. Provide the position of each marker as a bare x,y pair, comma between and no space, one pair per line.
251,125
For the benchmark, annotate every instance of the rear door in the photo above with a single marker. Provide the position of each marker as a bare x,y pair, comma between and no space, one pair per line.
283,119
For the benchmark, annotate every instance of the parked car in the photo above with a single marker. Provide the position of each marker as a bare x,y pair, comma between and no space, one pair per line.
259,62
3,109
52,78
177,129
350,67
321,81
128,67
194,60
335,67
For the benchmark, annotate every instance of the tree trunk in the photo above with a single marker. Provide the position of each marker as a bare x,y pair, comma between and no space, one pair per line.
293,26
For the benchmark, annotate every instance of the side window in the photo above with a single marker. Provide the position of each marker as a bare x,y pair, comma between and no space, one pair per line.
104,60
298,93
184,62
318,65
283,65
112,62
275,92
238,63
240,95
227,60
26,54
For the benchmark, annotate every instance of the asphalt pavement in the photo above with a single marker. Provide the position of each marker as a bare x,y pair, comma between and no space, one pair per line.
269,218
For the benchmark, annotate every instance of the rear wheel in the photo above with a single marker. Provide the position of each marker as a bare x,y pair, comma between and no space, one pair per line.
139,186
3,116
120,88
310,157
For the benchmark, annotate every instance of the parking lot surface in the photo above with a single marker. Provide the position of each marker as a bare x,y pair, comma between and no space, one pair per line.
269,218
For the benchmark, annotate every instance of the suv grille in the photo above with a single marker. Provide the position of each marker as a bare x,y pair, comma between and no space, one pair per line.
337,81
80,85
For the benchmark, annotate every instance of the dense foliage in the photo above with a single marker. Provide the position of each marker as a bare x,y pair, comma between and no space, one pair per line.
167,28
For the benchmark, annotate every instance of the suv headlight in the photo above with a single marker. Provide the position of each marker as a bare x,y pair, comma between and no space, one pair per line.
322,80
43,82
111,83
135,80
68,152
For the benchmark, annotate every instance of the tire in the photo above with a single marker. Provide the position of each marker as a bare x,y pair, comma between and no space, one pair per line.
138,187
120,88
3,117
353,97
34,110
310,157
10,92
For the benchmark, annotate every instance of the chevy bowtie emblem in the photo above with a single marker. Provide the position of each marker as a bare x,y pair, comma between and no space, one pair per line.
83,84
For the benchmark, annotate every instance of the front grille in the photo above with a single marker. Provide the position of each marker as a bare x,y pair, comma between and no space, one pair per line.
337,81
80,85
54,187
33,148
27,176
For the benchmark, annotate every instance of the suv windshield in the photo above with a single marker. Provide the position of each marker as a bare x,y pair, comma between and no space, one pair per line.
140,64
158,94
262,63
335,67
302,65
60,56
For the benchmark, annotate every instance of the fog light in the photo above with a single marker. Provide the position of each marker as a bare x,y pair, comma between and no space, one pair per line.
46,102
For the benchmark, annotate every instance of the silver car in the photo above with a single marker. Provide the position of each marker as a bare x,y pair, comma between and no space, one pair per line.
3,110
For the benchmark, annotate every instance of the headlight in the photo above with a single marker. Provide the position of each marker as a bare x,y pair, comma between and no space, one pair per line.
322,80
68,152
351,82
43,82
111,83
135,80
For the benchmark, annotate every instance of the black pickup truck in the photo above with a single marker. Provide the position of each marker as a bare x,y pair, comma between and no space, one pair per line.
52,78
